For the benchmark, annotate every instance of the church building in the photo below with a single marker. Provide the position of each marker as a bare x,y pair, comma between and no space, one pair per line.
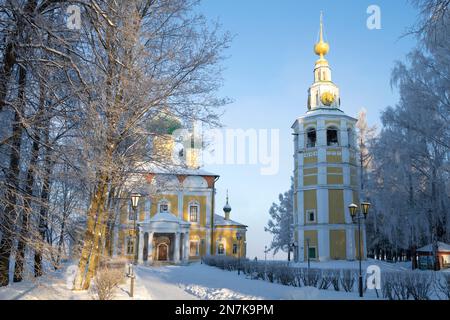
325,172
175,220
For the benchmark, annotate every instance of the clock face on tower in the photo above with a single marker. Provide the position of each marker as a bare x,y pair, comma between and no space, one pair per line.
327,98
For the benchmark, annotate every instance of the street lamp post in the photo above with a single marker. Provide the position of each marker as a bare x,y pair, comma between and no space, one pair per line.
307,253
357,216
238,238
134,204
294,252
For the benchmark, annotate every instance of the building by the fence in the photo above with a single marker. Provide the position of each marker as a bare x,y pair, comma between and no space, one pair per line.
425,256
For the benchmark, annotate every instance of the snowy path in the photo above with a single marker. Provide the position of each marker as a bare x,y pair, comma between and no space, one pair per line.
157,282
199,281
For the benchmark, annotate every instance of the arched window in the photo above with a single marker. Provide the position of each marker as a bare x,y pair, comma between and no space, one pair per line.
332,136
194,211
311,138
221,249
194,249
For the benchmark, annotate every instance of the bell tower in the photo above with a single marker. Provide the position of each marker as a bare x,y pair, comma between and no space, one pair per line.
325,170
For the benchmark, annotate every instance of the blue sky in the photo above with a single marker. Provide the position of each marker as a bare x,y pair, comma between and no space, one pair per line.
270,68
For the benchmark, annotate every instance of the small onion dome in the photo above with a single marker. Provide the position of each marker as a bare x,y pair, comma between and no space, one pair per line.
227,207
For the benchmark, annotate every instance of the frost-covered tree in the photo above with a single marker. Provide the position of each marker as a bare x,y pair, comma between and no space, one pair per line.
409,183
280,224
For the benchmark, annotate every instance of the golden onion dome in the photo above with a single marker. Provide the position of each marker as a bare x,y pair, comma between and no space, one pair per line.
321,48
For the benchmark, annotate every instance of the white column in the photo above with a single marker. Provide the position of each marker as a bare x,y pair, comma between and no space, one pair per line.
350,242
141,246
150,247
323,240
176,256
301,245
186,246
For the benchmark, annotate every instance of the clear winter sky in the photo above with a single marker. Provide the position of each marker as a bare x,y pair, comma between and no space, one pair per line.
270,68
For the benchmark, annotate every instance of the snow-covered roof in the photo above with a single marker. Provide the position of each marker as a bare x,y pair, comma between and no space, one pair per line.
172,169
442,247
221,221
167,217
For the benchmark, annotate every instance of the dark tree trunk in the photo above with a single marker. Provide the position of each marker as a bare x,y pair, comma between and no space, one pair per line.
45,197
24,232
5,72
10,213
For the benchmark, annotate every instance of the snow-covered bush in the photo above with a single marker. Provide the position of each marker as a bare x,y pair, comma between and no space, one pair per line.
328,278
285,276
105,282
420,284
348,279
443,285
311,277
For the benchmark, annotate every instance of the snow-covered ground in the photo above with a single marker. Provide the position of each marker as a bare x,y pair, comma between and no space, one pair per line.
194,281
55,286
199,281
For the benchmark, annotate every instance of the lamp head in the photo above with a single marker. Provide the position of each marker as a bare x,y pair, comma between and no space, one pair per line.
365,208
135,200
352,208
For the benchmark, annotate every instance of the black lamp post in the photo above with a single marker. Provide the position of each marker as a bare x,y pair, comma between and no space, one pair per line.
294,245
134,204
357,217
238,238
307,253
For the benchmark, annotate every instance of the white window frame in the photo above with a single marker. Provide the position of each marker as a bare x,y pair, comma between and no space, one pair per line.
308,212
194,204
315,250
332,127
306,137
224,248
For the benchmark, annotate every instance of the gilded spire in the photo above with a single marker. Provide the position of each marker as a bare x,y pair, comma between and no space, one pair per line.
321,48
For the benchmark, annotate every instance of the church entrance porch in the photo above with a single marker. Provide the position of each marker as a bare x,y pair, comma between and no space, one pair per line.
163,242
163,239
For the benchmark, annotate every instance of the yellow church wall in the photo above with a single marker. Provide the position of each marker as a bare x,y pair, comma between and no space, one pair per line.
309,180
171,198
334,175
308,171
202,201
336,206
230,238
312,236
310,157
309,201
334,155
337,244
